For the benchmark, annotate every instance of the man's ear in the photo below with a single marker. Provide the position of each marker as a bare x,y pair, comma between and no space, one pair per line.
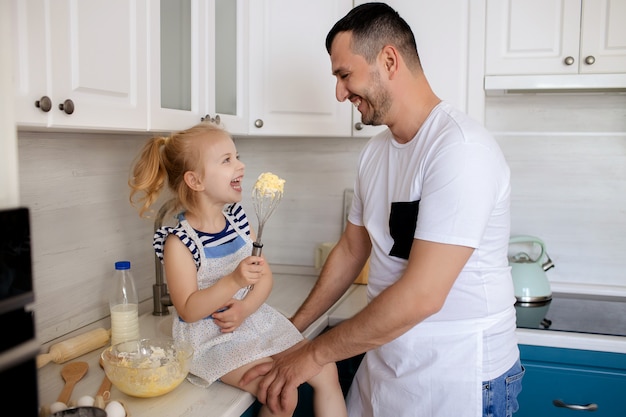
193,181
389,59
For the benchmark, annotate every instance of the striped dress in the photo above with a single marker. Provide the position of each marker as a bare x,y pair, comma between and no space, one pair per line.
262,334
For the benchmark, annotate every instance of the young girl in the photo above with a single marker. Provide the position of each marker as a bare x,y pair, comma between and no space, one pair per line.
208,265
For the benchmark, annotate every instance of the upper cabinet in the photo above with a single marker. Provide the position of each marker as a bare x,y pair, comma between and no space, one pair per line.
555,44
291,89
80,64
179,68
259,67
227,42
198,69
449,39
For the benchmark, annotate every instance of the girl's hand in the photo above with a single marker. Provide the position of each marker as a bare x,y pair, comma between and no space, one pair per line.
230,317
249,271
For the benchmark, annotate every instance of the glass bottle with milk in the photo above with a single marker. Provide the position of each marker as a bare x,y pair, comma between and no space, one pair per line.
124,305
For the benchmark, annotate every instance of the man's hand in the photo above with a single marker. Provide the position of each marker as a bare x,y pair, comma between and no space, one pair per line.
282,377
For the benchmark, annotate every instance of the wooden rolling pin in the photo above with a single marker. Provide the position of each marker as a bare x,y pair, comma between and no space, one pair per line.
74,347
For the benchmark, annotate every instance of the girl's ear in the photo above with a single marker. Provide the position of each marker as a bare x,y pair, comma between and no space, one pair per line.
193,181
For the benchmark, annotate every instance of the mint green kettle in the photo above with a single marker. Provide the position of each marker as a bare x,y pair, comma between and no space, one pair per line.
529,275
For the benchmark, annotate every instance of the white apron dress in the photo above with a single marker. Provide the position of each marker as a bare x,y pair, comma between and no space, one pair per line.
433,370
262,334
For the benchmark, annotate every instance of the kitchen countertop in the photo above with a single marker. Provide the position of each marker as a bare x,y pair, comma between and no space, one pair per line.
187,400
221,400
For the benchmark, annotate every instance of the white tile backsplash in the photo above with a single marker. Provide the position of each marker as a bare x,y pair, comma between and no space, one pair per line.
567,155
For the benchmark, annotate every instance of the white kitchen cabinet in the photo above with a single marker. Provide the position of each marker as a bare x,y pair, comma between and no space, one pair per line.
80,64
449,41
9,184
196,64
178,69
228,83
571,38
291,89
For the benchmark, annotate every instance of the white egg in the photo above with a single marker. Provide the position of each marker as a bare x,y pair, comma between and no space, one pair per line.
115,409
85,401
57,406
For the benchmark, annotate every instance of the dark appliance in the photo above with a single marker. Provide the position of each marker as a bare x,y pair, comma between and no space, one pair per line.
578,313
18,345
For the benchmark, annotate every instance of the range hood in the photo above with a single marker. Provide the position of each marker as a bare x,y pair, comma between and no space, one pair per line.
498,84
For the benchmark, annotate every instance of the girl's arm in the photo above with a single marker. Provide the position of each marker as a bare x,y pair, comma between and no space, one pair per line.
237,310
193,304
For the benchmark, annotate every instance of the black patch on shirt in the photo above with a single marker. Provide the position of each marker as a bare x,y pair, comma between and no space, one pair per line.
402,222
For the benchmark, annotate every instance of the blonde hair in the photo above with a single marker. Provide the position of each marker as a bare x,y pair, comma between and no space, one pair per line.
166,159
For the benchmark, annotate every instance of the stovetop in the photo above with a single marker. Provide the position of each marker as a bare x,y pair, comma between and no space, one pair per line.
575,313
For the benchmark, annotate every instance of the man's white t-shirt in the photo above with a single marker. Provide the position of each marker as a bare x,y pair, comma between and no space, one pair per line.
449,184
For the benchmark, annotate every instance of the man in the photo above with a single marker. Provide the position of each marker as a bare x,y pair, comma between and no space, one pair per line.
432,209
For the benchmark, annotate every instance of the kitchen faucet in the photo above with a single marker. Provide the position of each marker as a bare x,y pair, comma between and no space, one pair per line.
160,296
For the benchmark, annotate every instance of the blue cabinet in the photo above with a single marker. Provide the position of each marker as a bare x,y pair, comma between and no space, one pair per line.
574,379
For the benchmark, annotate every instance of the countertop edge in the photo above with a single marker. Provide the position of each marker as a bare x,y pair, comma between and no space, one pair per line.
571,340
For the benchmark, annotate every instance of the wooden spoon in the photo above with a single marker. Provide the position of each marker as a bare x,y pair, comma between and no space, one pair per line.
71,373
104,392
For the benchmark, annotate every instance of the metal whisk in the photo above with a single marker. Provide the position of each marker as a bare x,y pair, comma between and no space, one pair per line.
264,202
264,206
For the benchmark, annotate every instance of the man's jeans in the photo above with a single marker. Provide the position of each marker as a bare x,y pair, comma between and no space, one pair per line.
500,394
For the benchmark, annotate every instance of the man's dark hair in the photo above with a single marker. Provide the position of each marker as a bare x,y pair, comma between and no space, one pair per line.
374,25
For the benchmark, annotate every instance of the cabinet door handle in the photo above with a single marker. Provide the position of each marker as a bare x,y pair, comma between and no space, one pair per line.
585,407
590,60
67,106
258,123
569,60
358,126
44,103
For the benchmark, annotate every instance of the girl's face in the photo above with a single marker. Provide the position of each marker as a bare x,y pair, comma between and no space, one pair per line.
223,171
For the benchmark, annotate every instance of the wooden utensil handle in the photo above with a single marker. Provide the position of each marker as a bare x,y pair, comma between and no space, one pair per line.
65,394
105,388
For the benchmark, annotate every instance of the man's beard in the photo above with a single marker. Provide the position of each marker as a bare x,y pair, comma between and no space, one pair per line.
379,102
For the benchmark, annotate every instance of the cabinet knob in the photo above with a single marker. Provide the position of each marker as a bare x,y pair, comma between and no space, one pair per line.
590,60
586,407
569,60
358,126
44,103
67,106
258,123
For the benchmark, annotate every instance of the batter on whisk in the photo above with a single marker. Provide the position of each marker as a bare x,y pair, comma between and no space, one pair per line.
266,194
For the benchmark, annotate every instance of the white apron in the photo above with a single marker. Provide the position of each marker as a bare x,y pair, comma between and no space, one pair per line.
433,370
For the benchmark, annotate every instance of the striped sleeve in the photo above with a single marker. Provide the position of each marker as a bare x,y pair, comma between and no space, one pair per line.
161,235
238,214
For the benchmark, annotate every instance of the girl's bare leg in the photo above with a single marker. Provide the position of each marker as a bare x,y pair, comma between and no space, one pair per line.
328,398
233,378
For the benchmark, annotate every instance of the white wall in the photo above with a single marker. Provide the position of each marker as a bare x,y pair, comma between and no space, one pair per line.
569,188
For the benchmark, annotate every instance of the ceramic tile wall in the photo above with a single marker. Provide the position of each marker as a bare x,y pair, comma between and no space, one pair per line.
567,155
82,222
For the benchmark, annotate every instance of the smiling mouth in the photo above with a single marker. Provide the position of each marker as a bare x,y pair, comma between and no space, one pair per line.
236,183
356,102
